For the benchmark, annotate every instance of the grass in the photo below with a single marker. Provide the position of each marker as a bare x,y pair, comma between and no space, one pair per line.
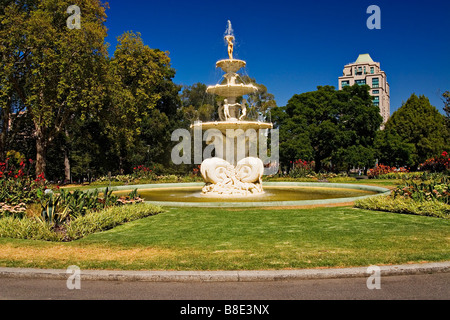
231,239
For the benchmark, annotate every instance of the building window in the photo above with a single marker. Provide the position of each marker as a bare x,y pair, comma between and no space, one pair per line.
372,70
375,83
376,101
358,71
345,83
360,82
375,91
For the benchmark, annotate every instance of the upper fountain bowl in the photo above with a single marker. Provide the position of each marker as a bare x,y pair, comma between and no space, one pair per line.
230,65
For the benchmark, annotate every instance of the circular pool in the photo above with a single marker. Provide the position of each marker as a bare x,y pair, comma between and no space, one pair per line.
275,194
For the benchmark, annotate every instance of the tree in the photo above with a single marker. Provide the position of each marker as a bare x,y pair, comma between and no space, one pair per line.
328,125
392,150
294,139
446,99
197,104
359,122
11,107
260,102
54,71
140,82
354,156
419,124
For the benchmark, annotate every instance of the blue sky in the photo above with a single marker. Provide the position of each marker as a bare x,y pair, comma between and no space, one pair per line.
294,46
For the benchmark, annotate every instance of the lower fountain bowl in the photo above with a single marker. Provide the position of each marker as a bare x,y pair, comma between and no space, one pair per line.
275,194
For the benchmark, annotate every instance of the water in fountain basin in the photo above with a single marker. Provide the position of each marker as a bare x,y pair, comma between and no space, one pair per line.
193,194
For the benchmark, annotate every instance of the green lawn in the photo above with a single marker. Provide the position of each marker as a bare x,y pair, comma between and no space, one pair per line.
230,239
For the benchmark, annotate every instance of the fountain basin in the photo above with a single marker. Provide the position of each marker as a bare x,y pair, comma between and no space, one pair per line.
232,90
276,194
233,125
230,65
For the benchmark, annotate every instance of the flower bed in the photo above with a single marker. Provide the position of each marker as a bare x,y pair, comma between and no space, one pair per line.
301,169
380,171
427,195
437,188
440,163
17,187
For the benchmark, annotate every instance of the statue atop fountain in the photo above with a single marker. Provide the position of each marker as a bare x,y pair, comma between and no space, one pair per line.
230,39
237,176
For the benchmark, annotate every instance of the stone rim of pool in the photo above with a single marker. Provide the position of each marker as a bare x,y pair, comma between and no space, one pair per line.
379,190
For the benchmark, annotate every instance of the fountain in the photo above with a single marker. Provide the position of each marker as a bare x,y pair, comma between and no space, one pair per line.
233,176
240,174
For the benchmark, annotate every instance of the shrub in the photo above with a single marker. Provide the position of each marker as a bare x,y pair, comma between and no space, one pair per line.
431,208
425,194
341,179
437,188
27,228
440,163
108,218
143,172
16,185
301,168
382,170
398,175
58,207
93,221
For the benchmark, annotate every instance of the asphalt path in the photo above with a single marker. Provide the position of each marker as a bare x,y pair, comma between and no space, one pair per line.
434,286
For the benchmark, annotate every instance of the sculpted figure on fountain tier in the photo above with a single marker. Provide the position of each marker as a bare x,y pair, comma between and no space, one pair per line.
230,40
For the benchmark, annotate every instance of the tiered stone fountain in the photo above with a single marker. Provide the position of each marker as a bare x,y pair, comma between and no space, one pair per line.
240,174
233,175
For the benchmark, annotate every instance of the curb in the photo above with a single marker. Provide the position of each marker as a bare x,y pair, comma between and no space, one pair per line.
231,276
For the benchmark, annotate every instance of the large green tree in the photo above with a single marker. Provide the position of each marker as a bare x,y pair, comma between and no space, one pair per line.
420,125
12,66
142,97
133,124
329,125
55,72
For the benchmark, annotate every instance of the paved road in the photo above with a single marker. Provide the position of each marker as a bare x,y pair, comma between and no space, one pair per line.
404,287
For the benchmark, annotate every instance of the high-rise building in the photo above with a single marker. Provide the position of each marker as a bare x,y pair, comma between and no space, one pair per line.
365,71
